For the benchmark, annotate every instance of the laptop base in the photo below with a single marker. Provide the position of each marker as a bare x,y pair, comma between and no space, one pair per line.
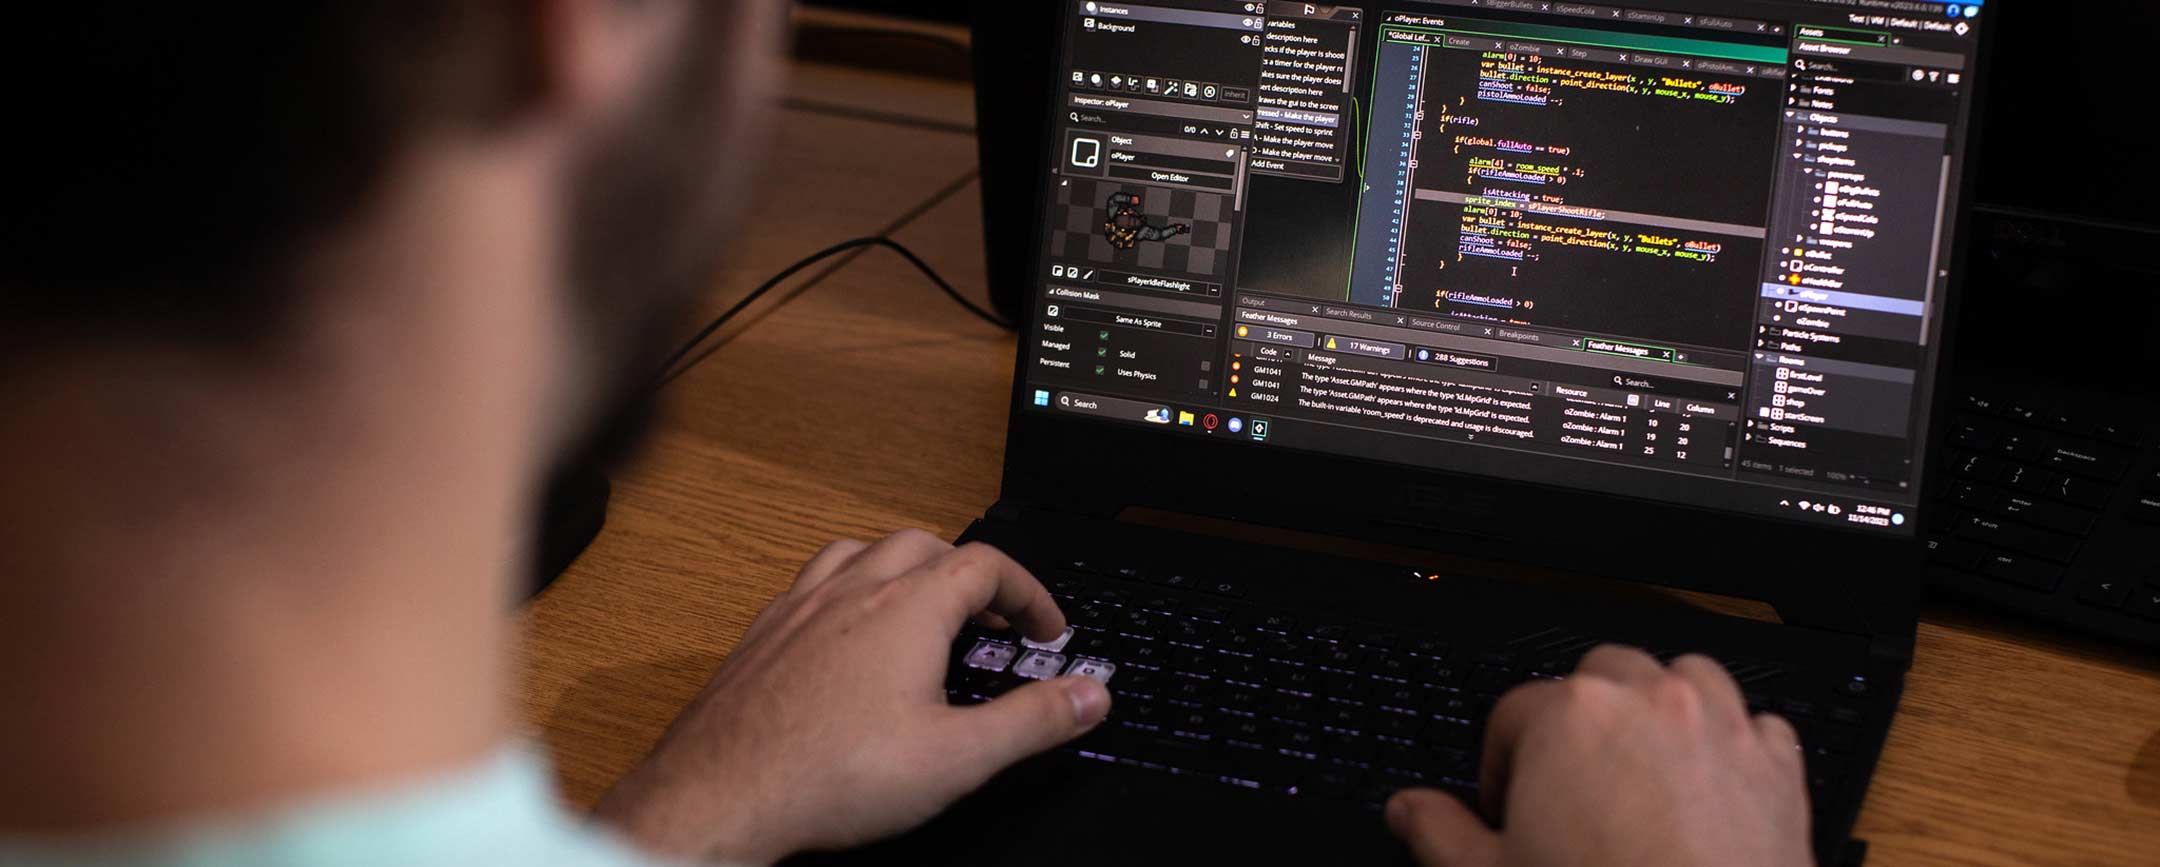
1267,699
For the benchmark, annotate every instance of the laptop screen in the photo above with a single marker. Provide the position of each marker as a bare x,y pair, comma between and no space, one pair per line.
1685,251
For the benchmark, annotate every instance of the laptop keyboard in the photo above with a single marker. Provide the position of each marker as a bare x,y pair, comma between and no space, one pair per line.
1209,686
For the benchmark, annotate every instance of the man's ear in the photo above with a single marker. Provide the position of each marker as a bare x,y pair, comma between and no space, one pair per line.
596,55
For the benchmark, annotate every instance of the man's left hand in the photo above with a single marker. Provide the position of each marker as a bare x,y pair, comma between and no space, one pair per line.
828,725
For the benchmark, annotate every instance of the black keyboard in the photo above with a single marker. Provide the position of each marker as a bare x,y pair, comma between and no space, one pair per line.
1210,686
2048,506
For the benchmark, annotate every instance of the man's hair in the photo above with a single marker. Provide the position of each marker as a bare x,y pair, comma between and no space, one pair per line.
167,160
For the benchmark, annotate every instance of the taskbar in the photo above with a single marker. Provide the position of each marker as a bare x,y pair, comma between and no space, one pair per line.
1819,506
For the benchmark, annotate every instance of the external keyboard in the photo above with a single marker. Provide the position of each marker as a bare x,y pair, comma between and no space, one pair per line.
2049,507
1211,686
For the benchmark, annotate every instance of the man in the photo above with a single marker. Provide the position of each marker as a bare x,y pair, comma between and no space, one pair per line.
301,302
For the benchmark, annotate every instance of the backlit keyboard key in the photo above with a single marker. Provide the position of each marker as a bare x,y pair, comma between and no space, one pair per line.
1349,687
2042,543
1139,682
1179,581
1239,669
1967,436
2080,491
2088,459
1146,654
1140,623
1051,646
2022,571
1094,669
1391,666
1440,673
1978,467
1401,728
1190,691
1242,700
1037,665
1187,631
1293,678
991,656
2025,477
1193,661
1286,649
1404,697
1427,646
2104,591
2051,515
1095,643
1292,708
1341,657
1250,734
2145,602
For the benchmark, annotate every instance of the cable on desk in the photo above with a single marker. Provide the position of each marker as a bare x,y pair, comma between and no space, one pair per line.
873,116
930,38
669,371
935,199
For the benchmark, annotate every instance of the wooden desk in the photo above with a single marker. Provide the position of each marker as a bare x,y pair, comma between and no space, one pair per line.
871,404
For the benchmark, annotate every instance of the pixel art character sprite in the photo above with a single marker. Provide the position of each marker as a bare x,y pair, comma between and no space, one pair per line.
1126,227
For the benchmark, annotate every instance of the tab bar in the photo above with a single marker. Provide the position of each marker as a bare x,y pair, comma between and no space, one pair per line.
1361,346
1269,334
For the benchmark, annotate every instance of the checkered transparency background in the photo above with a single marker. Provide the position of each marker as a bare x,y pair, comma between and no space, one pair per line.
1203,252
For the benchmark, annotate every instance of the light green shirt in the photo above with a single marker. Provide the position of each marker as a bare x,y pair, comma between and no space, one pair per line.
502,812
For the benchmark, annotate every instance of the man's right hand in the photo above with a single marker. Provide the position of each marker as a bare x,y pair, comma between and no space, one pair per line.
1627,762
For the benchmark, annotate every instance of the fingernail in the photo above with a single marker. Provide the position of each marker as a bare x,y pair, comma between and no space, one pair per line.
1090,700
1404,806
1398,810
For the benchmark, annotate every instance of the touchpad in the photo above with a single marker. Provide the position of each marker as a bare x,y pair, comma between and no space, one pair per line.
1057,810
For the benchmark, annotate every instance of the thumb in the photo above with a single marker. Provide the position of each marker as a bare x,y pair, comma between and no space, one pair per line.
1441,831
1029,720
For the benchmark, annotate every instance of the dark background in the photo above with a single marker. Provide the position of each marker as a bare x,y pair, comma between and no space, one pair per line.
2071,91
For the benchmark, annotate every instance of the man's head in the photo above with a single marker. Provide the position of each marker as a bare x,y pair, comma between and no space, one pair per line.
195,176
298,301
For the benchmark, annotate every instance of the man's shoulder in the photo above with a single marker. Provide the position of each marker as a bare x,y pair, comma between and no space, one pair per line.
500,811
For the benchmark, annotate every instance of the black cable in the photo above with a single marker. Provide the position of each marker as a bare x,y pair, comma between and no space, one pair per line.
937,40
874,116
842,261
669,373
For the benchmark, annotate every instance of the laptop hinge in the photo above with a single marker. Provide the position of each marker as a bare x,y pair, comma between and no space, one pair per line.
1892,645
1003,512
1889,638
1010,509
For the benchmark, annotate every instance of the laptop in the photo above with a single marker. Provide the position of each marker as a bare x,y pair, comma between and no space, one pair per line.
1384,356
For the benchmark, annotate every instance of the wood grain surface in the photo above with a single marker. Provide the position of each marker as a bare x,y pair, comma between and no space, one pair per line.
871,403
